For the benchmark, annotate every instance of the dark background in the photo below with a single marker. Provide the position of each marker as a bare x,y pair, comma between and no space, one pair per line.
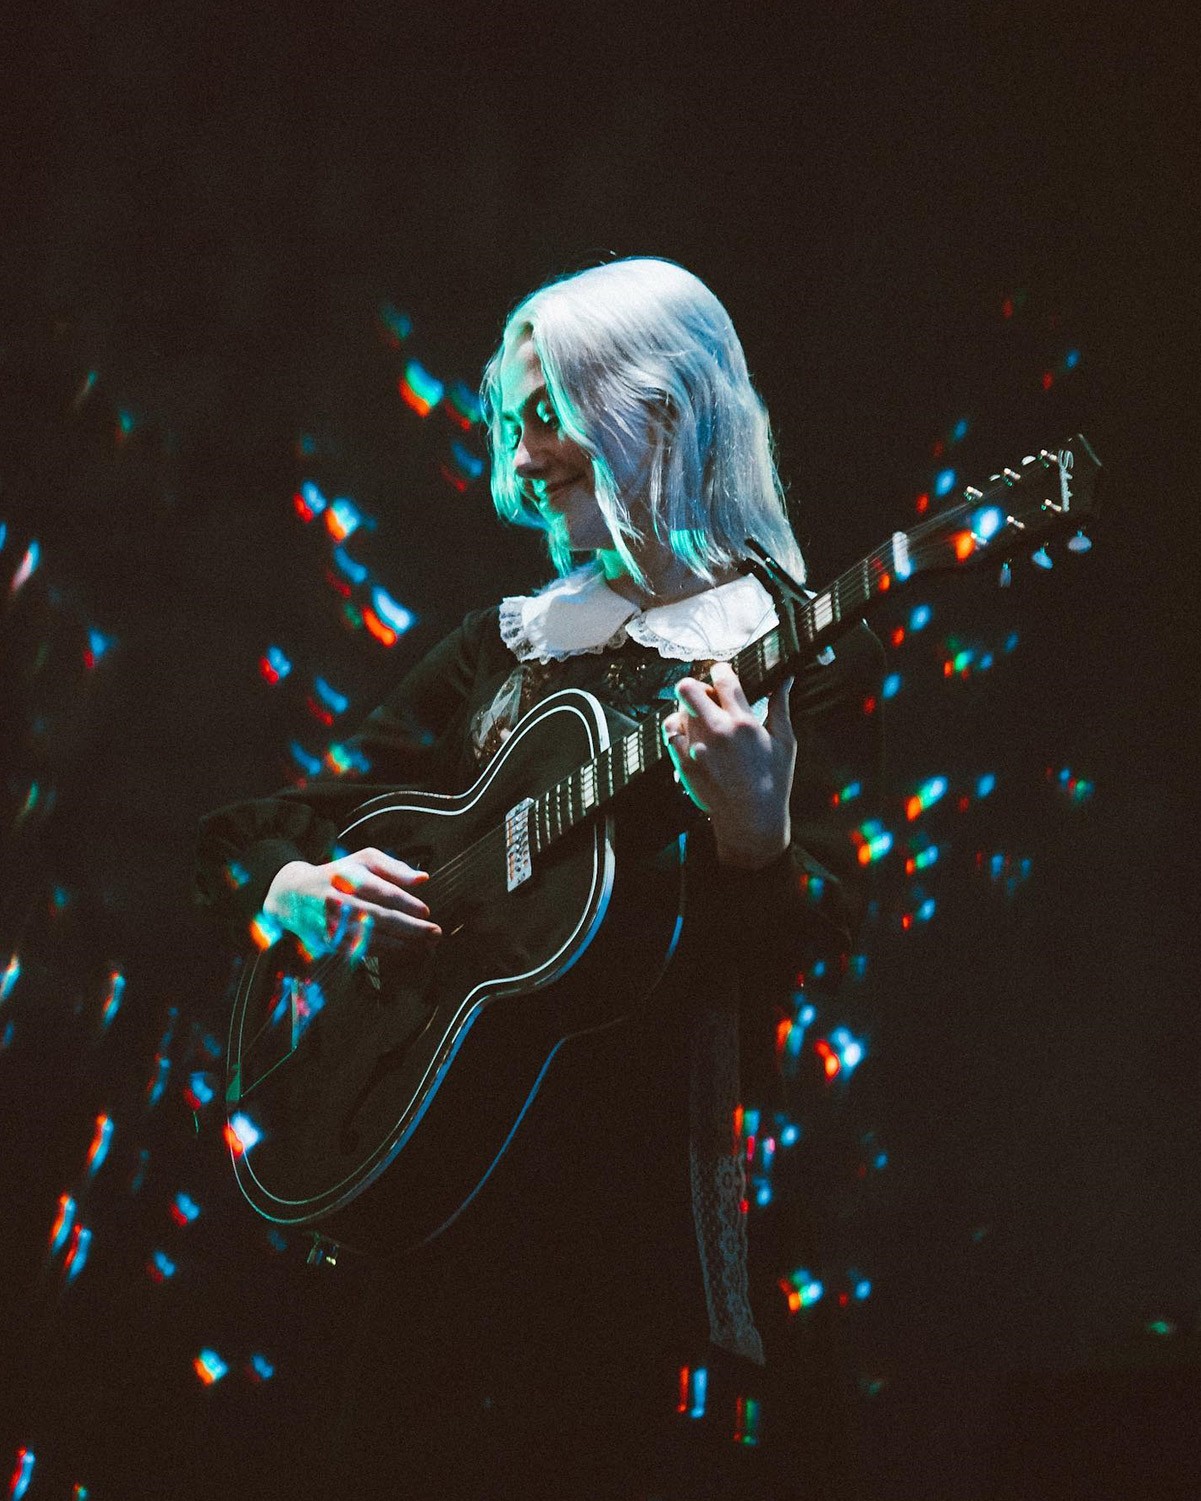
913,218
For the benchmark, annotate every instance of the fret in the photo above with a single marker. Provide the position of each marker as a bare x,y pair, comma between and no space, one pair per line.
660,744
855,587
758,670
651,742
851,592
823,611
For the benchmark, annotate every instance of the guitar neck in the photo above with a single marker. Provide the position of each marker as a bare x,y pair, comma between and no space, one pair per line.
760,667
1051,492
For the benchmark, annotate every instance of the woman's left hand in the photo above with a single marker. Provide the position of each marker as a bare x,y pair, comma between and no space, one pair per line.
735,769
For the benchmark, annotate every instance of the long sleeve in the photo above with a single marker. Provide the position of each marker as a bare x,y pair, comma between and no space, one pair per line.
415,738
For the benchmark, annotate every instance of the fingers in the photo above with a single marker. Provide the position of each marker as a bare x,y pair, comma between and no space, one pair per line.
351,922
372,888
400,926
698,700
778,723
734,766
382,879
674,727
720,698
727,686
374,899
389,868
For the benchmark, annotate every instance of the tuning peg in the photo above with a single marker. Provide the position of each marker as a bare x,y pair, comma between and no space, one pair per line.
1041,559
1005,577
1079,543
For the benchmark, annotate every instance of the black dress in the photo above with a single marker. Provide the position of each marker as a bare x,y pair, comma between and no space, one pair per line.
536,1347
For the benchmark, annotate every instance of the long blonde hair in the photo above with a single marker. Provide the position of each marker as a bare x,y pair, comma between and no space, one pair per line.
639,356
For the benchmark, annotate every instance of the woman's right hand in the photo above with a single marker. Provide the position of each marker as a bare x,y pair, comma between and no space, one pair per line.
333,907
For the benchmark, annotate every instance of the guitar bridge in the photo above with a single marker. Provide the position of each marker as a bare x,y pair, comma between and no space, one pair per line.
518,865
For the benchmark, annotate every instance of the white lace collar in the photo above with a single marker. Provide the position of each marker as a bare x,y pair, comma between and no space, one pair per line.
580,613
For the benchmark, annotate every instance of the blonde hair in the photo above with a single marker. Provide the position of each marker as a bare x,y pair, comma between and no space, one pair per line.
639,356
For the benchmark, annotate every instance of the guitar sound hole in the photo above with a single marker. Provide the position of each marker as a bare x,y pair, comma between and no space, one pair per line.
349,1140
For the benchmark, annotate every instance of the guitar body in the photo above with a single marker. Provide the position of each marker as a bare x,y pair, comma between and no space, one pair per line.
385,1092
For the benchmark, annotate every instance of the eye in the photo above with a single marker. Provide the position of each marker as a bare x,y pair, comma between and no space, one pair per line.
547,415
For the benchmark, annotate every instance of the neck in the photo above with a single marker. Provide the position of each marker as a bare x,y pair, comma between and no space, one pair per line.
667,578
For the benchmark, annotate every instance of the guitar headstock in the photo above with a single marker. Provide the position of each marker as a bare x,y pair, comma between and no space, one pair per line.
1049,493
1020,510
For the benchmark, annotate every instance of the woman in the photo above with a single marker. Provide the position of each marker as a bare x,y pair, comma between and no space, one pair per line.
610,1248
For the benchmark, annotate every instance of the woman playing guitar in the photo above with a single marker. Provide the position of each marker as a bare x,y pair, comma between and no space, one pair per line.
533,1347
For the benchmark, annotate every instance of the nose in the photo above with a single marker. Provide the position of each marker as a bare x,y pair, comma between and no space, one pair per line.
529,459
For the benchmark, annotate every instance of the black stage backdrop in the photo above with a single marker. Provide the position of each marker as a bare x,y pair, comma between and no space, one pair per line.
258,253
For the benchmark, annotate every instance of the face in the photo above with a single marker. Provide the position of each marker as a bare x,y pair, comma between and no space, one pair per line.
555,471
